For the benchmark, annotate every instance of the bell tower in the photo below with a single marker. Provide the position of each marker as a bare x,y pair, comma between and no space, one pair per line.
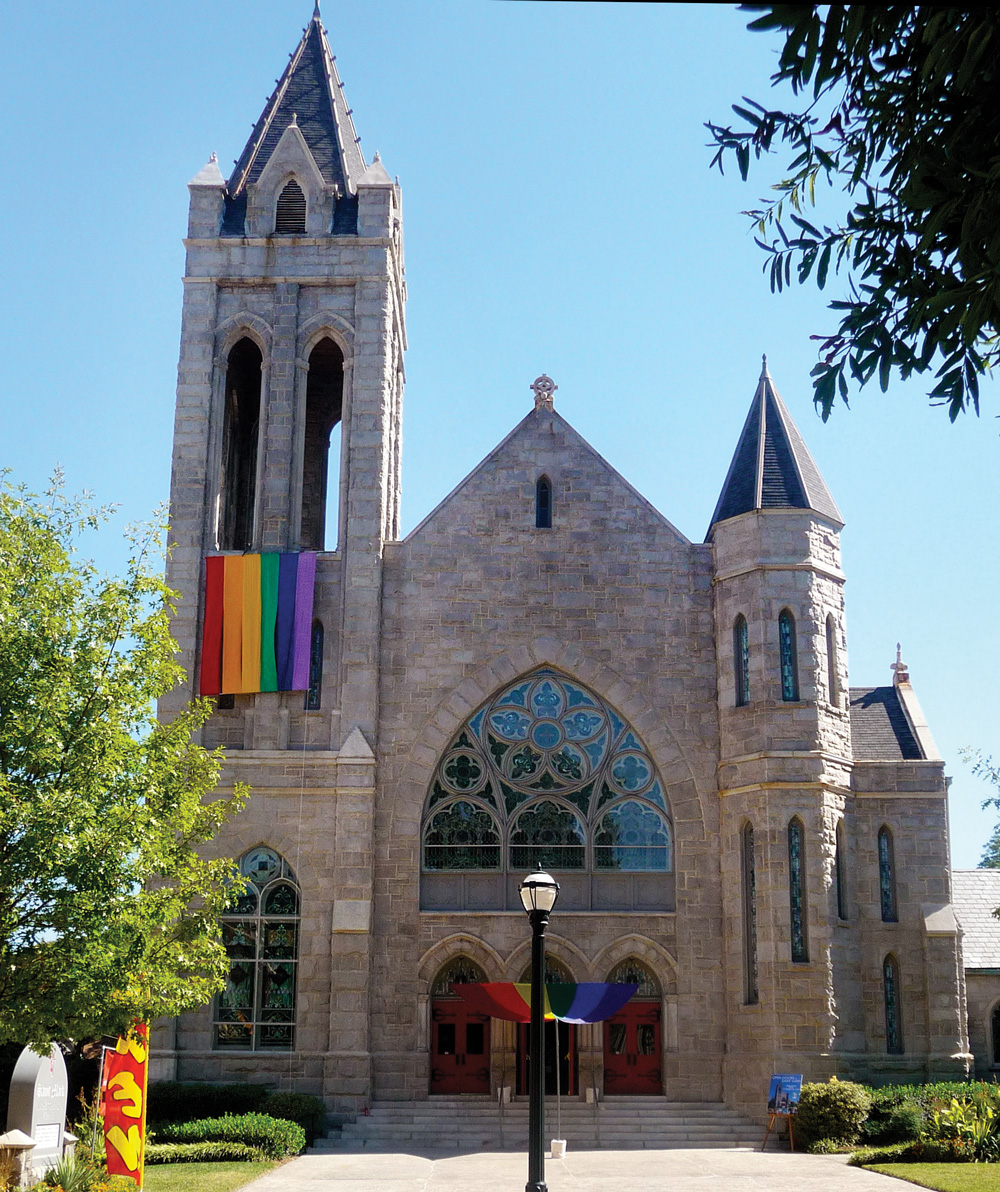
288,423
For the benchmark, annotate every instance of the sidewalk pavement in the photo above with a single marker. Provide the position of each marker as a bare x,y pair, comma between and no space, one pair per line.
580,1171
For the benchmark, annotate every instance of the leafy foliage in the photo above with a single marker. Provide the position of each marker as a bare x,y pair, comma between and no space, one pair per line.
902,119
200,1152
273,1137
984,767
107,912
831,1111
308,1111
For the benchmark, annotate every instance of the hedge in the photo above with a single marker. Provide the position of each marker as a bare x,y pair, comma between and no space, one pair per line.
173,1101
202,1152
274,1137
308,1111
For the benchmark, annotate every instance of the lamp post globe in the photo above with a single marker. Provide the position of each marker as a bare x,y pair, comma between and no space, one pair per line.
538,896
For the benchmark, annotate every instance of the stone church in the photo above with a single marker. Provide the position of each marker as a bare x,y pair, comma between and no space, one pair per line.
544,672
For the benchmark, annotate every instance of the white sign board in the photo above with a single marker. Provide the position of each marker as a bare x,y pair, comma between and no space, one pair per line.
37,1103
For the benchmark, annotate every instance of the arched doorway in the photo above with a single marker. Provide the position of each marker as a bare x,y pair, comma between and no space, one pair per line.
460,1038
560,1040
633,1039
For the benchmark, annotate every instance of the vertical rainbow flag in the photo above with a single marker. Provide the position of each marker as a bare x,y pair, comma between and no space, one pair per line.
258,622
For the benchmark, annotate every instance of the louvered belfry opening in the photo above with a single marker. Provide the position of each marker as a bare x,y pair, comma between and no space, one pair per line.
239,446
321,458
290,216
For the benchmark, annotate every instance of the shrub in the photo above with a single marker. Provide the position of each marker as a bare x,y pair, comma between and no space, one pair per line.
835,1111
173,1101
887,1123
309,1112
273,1137
201,1152
70,1174
825,1146
950,1150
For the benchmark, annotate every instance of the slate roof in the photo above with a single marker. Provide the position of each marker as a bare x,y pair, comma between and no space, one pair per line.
772,467
880,731
975,893
311,88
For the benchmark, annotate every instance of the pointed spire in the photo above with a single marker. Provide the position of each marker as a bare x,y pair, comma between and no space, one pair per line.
316,12
772,467
311,95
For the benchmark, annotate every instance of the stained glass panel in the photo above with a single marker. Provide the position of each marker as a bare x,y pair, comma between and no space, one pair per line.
893,1017
741,660
886,876
796,890
462,836
749,884
789,661
549,836
631,972
632,837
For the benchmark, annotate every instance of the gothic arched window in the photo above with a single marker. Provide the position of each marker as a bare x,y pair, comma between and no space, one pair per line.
887,875
240,433
832,680
632,972
840,870
748,890
321,447
543,503
788,655
290,212
741,660
314,695
893,1010
256,1010
546,773
797,889
460,970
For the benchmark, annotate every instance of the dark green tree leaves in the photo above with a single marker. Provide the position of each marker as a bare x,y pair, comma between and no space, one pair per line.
900,117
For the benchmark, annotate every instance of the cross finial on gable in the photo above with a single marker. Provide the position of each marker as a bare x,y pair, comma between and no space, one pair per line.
543,388
901,673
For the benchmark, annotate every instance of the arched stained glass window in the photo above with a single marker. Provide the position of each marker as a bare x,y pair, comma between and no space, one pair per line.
543,503
461,836
887,875
256,1010
547,836
893,1010
632,972
797,889
994,1025
789,656
290,213
832,680
555,973
460,970
840,870
741,660
748,875
555,777
632,836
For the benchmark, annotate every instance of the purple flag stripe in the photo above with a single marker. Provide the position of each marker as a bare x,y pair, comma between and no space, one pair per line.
304,584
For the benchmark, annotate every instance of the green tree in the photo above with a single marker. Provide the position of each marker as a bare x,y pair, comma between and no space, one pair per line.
984,767
899,115
107,911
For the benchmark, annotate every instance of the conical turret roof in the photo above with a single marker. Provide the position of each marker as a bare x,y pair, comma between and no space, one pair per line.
772,467
311,91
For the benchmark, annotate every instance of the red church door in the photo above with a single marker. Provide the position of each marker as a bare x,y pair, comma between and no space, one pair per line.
632,1051
460,1048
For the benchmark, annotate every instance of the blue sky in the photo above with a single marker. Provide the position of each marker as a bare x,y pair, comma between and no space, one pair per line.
560,216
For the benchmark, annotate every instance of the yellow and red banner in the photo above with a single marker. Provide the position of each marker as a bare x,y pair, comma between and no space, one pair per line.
124,1097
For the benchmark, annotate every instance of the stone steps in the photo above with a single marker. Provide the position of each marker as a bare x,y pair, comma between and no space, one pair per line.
475,1124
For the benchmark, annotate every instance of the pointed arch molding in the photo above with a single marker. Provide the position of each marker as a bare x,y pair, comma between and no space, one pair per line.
236,327
319,326
680,786
459,944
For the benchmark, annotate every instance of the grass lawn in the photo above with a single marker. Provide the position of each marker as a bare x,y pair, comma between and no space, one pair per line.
945,1177
202,1177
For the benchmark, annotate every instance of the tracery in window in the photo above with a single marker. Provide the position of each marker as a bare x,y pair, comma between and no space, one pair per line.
553,776
556,973
748,883
741,660
290,211
632,972
543,503
887,875
832,680
460,970
789,656
796,890
893,1011
256,1010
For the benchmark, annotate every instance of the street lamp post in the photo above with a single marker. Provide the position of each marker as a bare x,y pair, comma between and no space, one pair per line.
538,896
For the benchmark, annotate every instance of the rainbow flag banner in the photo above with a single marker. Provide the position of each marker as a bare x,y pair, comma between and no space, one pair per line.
584,1001
258,623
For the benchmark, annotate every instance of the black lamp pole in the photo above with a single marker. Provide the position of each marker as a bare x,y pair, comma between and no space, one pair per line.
538,894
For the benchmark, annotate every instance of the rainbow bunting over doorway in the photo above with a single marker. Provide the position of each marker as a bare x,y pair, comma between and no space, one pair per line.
258,621
579,1002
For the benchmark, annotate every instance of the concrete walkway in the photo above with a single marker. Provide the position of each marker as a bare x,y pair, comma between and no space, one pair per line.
584,1171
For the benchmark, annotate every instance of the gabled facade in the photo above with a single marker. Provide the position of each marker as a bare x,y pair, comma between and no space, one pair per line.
544,671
